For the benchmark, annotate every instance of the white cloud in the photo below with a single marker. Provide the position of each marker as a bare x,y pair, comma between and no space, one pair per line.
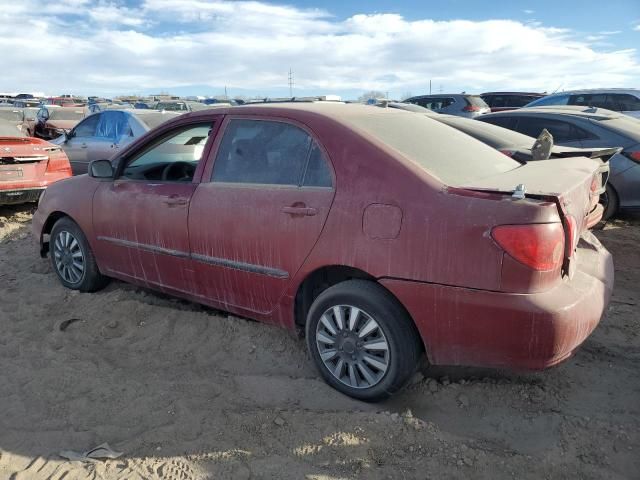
529,12
108,47
637,28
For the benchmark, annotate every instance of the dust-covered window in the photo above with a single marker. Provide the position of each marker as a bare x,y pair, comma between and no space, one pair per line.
268,152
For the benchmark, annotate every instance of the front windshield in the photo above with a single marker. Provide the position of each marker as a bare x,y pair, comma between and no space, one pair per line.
172,106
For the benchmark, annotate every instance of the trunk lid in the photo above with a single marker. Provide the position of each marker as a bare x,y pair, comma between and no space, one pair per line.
23,161
573,184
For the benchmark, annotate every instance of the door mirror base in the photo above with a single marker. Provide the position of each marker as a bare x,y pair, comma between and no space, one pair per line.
101,169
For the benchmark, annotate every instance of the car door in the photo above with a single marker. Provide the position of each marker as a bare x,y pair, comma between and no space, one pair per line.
254,223
112,128
77,144
140,218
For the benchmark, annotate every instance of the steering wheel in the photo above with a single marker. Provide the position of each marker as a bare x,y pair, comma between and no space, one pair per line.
178,172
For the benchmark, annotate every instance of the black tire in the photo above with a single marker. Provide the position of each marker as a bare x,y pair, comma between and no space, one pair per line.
89,279
402,339
610,202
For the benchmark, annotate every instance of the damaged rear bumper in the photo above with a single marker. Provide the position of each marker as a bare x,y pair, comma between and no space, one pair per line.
461,326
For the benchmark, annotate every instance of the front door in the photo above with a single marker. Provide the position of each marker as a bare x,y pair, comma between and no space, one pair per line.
76,146
140,219
254,223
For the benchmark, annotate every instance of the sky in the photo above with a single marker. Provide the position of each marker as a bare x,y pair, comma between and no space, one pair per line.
343,47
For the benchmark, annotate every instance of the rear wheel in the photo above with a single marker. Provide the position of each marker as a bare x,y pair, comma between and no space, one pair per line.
72,258
361,340
610,202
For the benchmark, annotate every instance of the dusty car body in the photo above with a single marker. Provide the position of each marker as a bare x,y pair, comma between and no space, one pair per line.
581,127
382,234
27,166
53,122
100,135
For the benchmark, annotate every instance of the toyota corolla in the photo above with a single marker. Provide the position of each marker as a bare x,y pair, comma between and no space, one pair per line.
382,235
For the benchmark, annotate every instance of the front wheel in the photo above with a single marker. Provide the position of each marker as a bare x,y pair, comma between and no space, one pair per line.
72,258
362,340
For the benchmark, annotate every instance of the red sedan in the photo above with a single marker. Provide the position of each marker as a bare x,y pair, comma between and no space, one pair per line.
380,233
28,165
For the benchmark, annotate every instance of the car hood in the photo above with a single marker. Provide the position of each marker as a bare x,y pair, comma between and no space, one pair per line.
65,124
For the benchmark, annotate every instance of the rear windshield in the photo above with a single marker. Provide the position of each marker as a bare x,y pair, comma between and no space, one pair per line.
451,156
172,106
11,115
492,135
65,114
152,120
627,126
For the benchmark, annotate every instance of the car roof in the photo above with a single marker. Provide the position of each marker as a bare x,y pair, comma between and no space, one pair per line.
528,94
633,91
574,110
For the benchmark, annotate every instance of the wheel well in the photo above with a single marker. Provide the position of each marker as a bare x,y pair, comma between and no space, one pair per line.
317,282
46,230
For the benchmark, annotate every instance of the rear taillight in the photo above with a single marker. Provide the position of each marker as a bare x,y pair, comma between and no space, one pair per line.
58,163
635,156
540,246
471,108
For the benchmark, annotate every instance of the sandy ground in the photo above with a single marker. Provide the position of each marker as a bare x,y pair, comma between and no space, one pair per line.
190,393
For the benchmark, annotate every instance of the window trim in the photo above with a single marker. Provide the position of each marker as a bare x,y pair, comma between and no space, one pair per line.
207,176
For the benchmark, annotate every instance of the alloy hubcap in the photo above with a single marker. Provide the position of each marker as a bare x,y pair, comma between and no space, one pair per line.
352,346
68,257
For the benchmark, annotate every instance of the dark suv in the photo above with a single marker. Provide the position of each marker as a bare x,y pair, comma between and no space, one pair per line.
500,101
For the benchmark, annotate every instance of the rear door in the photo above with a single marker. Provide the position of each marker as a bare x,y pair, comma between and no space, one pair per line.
254,223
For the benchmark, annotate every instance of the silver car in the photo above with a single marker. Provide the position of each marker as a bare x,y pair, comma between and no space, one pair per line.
462,105
587,128
624,100
99,136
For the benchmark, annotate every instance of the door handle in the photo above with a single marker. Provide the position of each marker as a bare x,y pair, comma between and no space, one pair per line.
174,201
307,211
84,145
114,145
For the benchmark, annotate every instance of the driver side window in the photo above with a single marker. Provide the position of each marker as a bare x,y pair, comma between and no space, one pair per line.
172,158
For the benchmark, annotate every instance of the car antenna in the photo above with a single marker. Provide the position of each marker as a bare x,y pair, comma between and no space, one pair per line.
559,87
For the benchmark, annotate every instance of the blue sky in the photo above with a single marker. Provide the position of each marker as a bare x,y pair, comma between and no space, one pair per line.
110,47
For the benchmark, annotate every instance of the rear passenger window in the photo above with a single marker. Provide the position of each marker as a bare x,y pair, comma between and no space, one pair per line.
598,100
626,102
271,153
504,122
561,131
317,173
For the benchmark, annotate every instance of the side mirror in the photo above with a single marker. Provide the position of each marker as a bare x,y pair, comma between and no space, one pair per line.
101,169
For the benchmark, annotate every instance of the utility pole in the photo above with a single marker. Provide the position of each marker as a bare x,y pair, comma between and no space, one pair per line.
225,92
429,86
290,83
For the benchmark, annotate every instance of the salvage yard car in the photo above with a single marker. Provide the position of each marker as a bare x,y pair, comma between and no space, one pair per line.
382,234
27,165
587,127
53,121
101,135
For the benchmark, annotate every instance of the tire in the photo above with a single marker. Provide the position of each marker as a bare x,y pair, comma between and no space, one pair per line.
72,258
369,374
610,202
